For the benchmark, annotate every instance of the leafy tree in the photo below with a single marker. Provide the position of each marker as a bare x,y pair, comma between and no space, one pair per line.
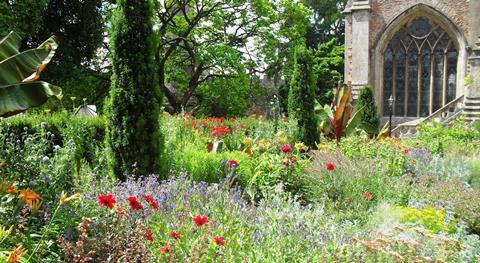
370,120
329,67
301,98
327,22
133,134
208,39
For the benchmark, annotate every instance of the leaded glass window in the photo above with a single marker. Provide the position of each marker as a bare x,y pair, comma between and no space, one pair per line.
420,69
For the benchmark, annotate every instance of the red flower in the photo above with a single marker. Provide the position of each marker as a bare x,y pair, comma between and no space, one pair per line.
165,249
200,220
219,240
175,235
406,151
286,148
232,120
148,235
107,200
243,127
121,211
330,166
151,201
233,163
204,122
134,203
368,196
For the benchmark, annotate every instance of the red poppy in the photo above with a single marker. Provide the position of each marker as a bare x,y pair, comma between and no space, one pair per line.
406,151
286,148
200,220
368,196
134,203
151,201
107,200
330,166
243,127
233,163
204,122
165,249
219,240
149,235
175,235
121,211
232,120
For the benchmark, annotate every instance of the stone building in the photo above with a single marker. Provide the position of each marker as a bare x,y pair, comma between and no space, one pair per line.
423,53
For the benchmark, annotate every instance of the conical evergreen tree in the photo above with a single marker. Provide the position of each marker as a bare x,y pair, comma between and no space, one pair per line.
301,97
370,119
133,138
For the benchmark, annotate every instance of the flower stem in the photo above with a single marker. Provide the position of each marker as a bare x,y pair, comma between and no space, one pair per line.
44,232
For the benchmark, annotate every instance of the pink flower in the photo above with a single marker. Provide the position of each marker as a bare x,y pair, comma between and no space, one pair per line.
107,200
330,166
165,249
134,203
233,163
286,148
200,220
149,235
219,240
368,196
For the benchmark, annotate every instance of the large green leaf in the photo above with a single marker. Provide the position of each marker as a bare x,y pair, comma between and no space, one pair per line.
9,45
21,96
27,65
354,121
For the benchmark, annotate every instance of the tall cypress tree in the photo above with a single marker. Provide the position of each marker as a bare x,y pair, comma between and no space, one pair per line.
301,97
133,136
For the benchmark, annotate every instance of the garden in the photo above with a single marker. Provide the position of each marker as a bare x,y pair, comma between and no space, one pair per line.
218,168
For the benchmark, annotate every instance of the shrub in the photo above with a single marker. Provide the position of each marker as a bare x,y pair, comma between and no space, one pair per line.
301,98
133,110
370,120
432,219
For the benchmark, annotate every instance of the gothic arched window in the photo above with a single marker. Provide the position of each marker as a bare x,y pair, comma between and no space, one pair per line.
420,69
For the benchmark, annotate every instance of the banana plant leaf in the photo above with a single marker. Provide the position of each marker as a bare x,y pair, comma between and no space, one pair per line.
28,65
22,96
9,46
19,72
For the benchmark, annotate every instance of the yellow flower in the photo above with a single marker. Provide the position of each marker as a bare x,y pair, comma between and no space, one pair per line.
4,233
282,140
16,254
28,197
35,206
247,141
301,146
280,133
64,199
263,144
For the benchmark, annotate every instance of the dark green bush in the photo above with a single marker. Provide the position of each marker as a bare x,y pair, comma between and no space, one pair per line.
370,120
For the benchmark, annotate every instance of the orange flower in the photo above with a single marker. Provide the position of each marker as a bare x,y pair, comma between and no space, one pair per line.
28,197
16,254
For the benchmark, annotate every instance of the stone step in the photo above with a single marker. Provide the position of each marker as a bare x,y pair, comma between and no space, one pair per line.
472,98
472,108
474,104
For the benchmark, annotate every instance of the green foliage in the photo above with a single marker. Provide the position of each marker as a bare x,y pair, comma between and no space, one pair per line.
19,72
133,136
301,98
455,137
327,21
328,69
370,120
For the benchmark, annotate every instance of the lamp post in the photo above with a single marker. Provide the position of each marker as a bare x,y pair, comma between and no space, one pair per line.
391,100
